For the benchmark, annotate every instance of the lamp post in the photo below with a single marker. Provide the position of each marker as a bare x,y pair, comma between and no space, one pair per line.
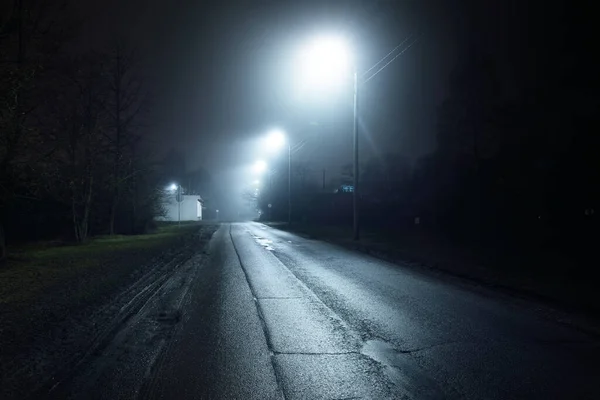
289,183
176,187
326,63
355,198
275,140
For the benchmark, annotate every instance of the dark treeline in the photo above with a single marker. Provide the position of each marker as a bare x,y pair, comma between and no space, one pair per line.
72,127
516,162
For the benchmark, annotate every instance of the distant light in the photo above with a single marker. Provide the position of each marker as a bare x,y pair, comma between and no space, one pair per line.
217,210
256,182
275,139
260,166
172,187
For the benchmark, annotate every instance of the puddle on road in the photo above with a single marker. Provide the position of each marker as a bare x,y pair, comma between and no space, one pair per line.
402,370
266,243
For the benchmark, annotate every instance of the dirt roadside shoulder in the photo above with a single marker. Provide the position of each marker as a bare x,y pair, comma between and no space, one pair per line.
55,300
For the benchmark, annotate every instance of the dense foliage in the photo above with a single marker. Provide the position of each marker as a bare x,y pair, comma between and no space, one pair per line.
72,126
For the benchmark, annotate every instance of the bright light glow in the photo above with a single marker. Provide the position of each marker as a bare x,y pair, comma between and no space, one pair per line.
257,182
275,139
325,64
260,166
172,187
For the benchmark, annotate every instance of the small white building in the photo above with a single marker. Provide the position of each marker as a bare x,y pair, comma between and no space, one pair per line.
190,208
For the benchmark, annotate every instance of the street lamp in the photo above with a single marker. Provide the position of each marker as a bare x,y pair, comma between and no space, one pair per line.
176,187
260,166
275,140
326,63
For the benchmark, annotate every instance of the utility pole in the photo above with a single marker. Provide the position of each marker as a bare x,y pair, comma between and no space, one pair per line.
179,199
355,190
289,184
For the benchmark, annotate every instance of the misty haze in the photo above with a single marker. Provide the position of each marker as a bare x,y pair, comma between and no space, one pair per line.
334,199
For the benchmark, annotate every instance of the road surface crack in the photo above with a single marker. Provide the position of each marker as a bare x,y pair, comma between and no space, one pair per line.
347,398
410,351
304,353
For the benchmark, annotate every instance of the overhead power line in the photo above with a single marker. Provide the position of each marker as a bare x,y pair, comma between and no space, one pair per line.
390,61
386,56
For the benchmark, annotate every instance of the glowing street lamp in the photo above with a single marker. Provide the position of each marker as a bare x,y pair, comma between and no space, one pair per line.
275,139
326,63
175,187
260,166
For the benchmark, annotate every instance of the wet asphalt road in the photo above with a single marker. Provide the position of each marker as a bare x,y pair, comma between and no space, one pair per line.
272,315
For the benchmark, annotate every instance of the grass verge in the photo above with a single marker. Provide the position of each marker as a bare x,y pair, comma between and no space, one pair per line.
33,268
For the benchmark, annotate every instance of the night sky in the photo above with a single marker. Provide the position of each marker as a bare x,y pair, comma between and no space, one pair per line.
224,71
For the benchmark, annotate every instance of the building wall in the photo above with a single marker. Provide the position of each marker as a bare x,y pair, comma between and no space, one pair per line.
191,209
